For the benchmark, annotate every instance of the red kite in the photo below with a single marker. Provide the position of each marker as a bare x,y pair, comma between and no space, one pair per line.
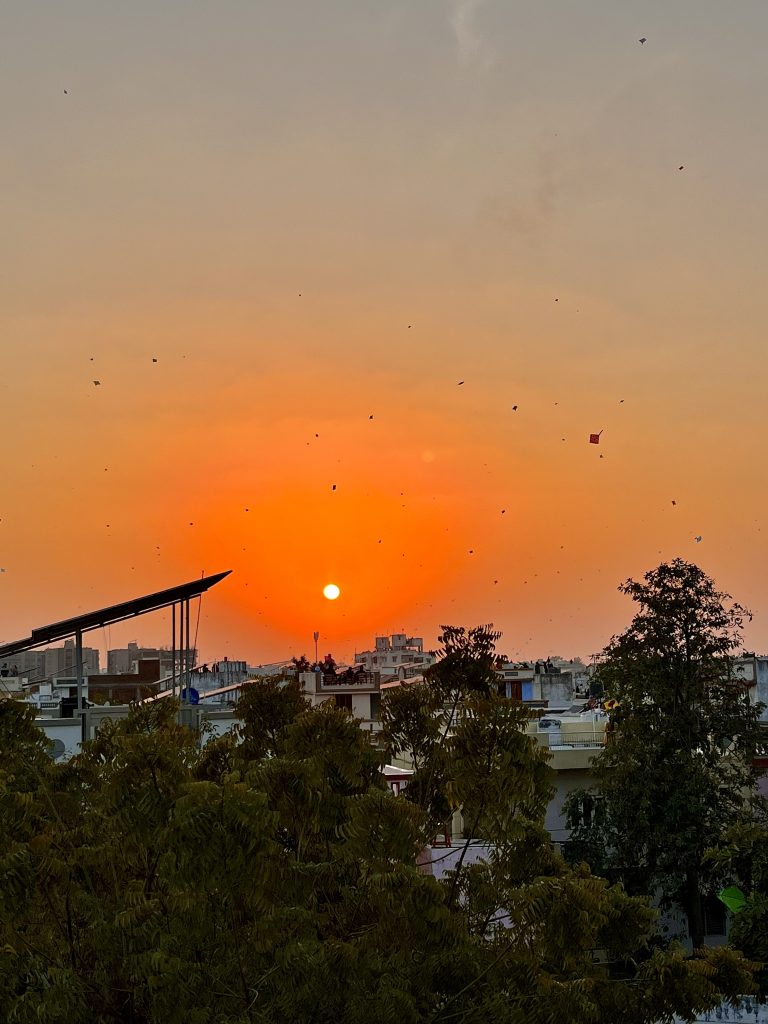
594,438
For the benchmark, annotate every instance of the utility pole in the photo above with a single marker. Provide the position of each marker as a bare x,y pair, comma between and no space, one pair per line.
316,636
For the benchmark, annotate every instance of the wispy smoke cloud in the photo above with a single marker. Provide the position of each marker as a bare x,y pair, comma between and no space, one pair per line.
469,42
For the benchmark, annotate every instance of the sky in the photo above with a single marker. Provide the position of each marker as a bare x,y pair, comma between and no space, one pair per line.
357,281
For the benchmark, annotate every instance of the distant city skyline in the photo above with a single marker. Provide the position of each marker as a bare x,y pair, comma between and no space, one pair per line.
341,299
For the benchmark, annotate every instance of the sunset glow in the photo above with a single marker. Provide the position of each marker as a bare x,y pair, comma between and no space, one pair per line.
331,591
357,300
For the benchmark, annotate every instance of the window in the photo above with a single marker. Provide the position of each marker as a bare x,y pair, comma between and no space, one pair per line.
714,915
344,700
375,706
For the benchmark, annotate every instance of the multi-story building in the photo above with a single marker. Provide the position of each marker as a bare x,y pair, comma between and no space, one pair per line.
219,674
51,663
355,689
539,682
30,664
61,661
122,660
396,657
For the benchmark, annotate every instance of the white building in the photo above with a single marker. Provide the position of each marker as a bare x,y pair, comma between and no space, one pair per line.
355,689
398,656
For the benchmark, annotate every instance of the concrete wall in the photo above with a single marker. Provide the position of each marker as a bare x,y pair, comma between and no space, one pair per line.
68,730
565,782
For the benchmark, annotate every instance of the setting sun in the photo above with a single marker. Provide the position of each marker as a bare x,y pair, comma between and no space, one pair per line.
331,591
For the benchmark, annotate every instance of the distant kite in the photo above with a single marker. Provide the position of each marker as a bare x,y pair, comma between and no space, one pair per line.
97,383
698,540
594,438
643,40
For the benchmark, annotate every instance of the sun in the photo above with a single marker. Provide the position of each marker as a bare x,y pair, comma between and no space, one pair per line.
331,591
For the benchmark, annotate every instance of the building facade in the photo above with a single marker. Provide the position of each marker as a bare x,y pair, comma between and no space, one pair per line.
398,656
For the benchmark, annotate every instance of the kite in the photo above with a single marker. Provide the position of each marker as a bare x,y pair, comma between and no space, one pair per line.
643,40
698,540
733,898
594,438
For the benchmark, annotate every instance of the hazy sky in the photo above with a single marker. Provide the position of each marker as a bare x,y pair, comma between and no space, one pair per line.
313,213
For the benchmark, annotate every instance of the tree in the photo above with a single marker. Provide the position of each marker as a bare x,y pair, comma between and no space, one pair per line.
271,876
676,773
741,859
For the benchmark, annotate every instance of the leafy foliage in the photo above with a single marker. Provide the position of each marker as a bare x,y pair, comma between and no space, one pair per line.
271,876
742,858
676,774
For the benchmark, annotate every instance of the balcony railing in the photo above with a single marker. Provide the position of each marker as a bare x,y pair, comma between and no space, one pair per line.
331,680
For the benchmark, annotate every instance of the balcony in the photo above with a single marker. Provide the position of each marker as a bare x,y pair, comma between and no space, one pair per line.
349,679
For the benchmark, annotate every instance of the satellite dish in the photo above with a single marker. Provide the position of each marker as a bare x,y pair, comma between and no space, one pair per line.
56,748
190,696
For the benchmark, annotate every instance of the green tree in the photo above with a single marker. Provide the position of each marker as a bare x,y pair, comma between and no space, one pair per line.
676,773
741,859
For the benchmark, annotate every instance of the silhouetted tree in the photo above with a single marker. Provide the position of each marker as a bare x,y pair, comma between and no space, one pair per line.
677,772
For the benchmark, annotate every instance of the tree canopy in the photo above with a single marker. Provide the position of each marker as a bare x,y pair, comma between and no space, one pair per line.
270,875
676,773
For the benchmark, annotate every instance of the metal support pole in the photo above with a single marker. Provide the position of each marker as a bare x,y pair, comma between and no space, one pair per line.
188,655
79,672
182,656
173,648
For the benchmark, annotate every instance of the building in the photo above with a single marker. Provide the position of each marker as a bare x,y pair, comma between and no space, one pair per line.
122,660
396,657
355,689
30,664
60,661
52,663
219,674
539,682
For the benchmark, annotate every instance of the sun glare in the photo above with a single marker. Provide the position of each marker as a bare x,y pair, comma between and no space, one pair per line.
331,591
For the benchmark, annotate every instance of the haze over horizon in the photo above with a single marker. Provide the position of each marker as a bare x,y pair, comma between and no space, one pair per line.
315,255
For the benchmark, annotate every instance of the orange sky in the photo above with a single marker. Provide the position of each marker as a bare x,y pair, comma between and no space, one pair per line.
308,222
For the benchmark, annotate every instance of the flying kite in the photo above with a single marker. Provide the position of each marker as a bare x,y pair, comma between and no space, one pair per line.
595,438
733,898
